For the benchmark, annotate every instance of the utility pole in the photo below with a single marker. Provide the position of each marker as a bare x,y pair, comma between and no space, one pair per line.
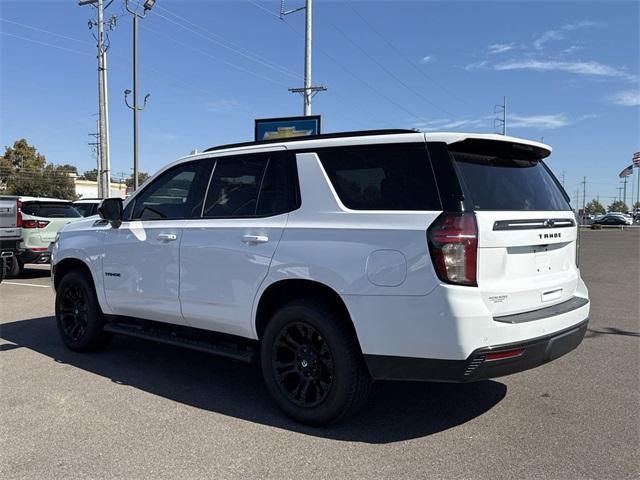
624,189
584,193
308,91
148,4
563,179
502,121
104,178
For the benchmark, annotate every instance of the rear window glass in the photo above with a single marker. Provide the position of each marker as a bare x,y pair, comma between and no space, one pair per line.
382,177
495,183
49,210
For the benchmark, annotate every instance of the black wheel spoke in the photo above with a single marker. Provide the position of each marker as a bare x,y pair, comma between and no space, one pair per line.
303,364
73,312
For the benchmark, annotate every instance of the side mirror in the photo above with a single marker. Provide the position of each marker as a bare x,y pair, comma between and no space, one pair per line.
110,209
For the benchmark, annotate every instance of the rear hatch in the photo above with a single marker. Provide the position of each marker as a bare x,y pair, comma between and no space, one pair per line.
44,219
527,233
9,228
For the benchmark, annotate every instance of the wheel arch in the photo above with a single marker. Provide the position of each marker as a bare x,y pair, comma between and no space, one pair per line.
69,265
284,291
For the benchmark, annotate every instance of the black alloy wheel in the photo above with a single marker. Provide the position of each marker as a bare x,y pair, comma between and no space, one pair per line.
312,363
78,315
303,364
73,312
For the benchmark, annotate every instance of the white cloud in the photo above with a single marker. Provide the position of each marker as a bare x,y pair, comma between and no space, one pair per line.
500,48
486,123
577,68
543,122
555,34
476,66
539,43
427,59
223,105
625,98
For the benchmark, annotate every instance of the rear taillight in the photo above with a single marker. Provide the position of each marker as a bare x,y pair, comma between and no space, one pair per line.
18,213
453,243
34,223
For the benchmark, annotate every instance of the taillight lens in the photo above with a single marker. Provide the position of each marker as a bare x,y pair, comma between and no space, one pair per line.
34,223
453,244
18,213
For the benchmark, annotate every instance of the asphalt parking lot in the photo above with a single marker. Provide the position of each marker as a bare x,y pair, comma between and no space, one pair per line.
142,410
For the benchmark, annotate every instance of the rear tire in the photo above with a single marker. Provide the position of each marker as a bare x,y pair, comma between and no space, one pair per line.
312,363
14,267
78,315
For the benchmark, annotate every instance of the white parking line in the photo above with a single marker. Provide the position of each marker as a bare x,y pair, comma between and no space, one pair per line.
25,284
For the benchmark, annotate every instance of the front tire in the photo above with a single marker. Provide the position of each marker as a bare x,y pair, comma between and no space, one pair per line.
78,315
312,364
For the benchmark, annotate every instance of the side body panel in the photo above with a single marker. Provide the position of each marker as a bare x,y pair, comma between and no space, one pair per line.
221,270
141,269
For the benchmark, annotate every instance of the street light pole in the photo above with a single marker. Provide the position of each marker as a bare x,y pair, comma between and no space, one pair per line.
148,4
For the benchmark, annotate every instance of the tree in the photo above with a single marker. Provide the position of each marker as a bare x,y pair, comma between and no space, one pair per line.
594,207
142,177
91,175
636,206
24,171
618,206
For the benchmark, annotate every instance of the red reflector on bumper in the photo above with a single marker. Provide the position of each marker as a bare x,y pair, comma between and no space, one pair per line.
504,354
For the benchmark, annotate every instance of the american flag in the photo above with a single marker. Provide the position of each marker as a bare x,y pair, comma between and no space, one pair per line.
636,159
626,172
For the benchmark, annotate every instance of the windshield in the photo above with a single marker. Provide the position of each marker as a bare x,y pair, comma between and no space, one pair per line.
50,210
497,183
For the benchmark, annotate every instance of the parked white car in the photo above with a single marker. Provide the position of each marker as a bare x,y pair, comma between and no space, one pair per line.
337,260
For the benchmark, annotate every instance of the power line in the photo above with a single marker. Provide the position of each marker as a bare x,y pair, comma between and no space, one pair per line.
345,69
46,44
385,69
36,29
402,55
217,59
219,40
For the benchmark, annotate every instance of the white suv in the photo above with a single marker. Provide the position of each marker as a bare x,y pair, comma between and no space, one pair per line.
337,260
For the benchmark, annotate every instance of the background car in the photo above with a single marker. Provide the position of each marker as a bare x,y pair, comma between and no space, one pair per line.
40,219
87,206
613,219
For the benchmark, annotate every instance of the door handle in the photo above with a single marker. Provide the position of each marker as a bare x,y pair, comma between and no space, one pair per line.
255,239
167,237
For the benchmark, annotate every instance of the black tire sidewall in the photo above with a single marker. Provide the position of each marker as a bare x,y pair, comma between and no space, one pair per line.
94,335
343,350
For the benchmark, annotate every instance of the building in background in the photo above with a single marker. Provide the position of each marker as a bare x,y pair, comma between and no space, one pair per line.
89,188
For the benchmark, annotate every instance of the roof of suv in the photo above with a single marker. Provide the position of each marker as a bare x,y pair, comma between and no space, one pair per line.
42,199
371,136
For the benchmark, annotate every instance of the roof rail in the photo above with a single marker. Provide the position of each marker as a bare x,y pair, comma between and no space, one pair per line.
360,133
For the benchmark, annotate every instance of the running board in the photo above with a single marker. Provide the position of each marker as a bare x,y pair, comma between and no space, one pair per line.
171,337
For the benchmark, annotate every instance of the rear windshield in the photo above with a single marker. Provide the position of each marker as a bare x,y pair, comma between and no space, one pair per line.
496,183
382,177
50,210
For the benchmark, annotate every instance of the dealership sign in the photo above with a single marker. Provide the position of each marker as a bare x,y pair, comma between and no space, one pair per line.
287,127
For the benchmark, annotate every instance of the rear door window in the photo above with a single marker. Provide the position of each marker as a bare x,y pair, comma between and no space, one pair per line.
257,185
504,183
382,177
50,209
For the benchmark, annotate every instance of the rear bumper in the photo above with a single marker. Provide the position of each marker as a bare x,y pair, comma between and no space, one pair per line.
10,245
476,367
35,256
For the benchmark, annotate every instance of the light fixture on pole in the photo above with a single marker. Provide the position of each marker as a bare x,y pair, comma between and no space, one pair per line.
148,5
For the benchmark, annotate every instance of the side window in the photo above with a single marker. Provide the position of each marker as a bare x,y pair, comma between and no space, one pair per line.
382,177
173,195
234,187
252,185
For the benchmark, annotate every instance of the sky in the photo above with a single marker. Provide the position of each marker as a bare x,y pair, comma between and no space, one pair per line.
569,70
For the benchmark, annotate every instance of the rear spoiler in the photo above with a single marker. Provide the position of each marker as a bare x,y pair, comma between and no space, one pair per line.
500,148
